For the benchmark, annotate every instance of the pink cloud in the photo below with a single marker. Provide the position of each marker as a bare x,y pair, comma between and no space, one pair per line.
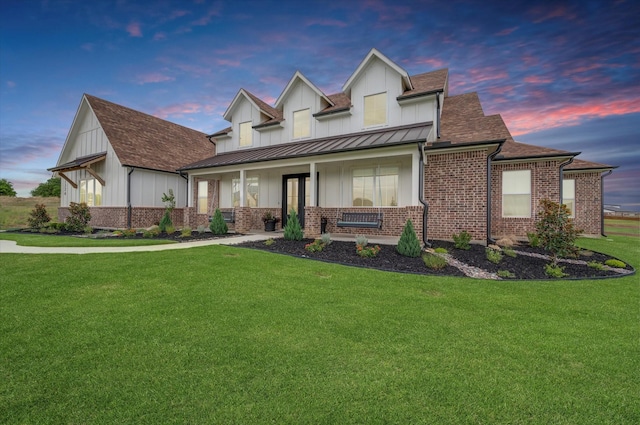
134,29
178,110
506,31
11,84
432,62
326,22
227,62
544,14
211,13
535,79
153,77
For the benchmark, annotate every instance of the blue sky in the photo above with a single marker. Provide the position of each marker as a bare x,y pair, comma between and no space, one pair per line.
562,74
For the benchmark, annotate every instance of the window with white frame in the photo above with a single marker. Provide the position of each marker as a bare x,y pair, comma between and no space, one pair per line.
252,192
569,195
203,196
301,124
246,133
375,109
516,193
375,186
91,192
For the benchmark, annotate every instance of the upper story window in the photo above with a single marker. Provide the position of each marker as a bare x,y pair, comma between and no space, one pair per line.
246,133
375,109
301,124
516,193
569,195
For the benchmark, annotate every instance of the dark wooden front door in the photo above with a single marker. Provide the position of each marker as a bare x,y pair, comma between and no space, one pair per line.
295,195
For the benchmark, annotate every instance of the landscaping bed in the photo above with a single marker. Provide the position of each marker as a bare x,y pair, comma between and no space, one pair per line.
102,234
522,266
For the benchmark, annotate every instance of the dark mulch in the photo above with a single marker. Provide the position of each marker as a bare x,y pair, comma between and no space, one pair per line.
176,236
522,266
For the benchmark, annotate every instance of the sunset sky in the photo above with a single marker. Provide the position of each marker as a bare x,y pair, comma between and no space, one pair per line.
562,74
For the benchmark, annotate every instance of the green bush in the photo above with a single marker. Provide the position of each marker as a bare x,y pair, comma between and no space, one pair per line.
509,252
201,229
367,251
292,230
555,229
461,240
595,265
170,230
165,221
408,244
434,262
269,242
315,246
38,217
612,262
361,240
218,225
185,232
151,232
506,274
79,217
326,239
169,204
534,241
493,255
441,250
554,270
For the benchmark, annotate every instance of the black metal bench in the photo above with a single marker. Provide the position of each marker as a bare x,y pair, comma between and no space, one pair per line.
228,216
361,219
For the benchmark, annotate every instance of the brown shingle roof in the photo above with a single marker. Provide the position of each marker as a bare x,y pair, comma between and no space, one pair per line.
579,164
142,140
427,82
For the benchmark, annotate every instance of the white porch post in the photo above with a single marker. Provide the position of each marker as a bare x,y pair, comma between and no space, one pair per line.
243,189
314,184
416,175
190,187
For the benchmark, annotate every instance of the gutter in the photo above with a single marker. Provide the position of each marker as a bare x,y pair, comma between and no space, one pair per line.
602,201
186,177
561,176
131,169
490,158
425,210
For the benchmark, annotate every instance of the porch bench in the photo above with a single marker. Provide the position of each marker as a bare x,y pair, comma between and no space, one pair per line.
361,219
228,216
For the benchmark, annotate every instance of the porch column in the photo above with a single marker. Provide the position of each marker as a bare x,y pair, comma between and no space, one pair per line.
190,186
243,189
313,202
416,175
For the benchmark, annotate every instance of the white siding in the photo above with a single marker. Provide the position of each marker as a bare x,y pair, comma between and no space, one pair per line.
147,188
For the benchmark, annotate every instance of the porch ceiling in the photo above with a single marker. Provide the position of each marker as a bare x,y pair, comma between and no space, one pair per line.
345,143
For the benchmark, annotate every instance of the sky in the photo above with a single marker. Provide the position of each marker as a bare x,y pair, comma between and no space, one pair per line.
562,74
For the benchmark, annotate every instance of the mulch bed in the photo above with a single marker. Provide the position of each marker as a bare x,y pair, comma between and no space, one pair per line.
176,236
522,266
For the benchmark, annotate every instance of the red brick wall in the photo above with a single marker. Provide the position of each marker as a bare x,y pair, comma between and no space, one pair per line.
455,187
116,217
588,214
545,184
393,220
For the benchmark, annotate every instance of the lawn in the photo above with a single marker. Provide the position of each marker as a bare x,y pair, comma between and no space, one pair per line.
628,227
228,335
14,211
36,239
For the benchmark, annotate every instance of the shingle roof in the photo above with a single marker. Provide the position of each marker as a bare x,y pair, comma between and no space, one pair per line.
579,164
145,141
427,82
350,142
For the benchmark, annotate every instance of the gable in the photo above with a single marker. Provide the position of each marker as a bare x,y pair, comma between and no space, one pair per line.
372,56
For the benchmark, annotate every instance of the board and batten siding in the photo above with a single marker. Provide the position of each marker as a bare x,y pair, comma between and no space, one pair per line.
147,188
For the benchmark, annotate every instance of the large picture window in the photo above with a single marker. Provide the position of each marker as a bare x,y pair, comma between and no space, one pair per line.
569,195
516,193
375,109
252,192
91,192
203,196
375,187
246,133
301,124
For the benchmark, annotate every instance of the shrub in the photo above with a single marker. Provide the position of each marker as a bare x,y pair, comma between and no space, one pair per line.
326,238
534,241
441,250
595,265
493,255
434,262
612,262
201,229
509,252
38,217
367,251
461,240
292,230
185,232
315,246
269,242
79,217
165,221
408,244
170,230
554,270
151,232
218,225
129,233
169,204
506,274
361,240
88,230
555,229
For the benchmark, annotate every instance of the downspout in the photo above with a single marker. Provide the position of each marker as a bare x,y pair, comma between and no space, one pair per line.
490,158
438,114
602,201
187,181
129,197
561,176
425,210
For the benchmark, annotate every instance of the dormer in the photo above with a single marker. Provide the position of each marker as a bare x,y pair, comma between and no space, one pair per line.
247,114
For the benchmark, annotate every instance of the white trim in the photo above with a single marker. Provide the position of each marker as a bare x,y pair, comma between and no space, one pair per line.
374,53
298,75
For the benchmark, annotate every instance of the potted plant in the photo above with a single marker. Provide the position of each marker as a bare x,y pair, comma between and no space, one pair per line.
270,221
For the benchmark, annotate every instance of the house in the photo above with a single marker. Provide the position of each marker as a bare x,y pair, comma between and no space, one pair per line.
389,147
120,162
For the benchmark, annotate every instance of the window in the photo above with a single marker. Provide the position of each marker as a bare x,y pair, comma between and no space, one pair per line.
301,124
203,196
375,109
91,192
251,192
569,195
516,193
245,134
375,187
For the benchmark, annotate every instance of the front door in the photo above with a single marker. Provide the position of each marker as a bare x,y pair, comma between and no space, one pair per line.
295,195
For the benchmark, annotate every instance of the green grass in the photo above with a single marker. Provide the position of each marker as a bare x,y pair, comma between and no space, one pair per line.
36,239
14,211
227,335
628,227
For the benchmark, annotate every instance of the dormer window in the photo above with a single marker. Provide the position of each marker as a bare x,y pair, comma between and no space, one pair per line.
301,124
375,109
245,134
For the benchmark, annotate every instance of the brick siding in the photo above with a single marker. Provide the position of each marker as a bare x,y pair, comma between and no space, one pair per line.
116,217
588,203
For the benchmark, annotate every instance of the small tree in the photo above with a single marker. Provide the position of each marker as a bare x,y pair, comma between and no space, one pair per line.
408,244
6,188
50,188
79,218
169,204
218,225
38,217
555,229
292,230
